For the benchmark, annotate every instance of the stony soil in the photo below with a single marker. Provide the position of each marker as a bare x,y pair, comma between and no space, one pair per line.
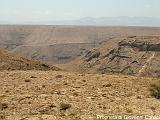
56,95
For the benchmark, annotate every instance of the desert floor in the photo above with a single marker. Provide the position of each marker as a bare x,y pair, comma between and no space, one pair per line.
58,95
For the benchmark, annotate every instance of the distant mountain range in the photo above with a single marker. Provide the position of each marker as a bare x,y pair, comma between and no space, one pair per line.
112,21
107,21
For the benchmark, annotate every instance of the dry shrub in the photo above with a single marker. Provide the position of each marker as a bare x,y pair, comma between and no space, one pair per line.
155,89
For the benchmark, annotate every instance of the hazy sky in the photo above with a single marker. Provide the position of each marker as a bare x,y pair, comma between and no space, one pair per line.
33,10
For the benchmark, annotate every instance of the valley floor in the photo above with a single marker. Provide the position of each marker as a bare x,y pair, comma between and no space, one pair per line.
58,95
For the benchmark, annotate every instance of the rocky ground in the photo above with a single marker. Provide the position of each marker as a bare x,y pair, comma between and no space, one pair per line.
88,86
57,95
132,55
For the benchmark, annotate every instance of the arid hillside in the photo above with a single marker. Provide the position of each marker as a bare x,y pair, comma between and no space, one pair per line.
49,35
56,95
54,54
53,44
133,55
10,61
90,82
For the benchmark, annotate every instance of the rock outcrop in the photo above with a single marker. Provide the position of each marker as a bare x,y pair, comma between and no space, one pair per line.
140,45
125,55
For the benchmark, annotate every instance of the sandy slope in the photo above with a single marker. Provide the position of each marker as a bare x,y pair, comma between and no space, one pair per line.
37,95
9,61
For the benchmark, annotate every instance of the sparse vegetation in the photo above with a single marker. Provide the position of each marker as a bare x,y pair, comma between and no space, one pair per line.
58,76
27,80
155,89
2,117
3,106
45,65
33,77
128,110
65,106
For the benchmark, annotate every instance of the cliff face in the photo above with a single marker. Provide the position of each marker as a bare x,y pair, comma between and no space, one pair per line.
125,55
140,45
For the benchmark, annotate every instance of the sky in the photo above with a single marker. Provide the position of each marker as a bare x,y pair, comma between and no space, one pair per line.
43,10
